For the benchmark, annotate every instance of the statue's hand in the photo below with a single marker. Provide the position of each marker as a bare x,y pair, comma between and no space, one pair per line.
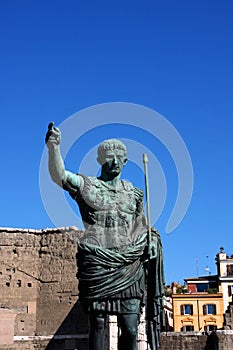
152,250
53,136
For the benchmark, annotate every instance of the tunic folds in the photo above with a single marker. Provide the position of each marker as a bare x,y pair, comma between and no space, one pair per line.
112,252
112,281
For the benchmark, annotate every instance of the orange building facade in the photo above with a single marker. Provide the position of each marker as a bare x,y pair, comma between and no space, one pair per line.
197,312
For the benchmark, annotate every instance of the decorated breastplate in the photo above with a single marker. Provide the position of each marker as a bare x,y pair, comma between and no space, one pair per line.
108,212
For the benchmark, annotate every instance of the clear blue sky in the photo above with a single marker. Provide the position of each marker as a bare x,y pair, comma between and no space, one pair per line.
175,57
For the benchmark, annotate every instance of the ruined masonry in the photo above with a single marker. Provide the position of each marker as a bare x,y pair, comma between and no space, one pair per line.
39,290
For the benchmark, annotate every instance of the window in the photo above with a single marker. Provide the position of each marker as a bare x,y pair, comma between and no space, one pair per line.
186,309
230,291
202,287
210,328
187,329
209,309
229,270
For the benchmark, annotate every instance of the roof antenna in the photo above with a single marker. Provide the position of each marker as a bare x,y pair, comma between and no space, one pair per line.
197,265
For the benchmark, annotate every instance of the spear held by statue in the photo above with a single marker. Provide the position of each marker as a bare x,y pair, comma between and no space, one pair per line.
155,275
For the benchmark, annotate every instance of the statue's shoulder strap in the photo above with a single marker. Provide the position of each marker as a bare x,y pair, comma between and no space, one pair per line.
139,194
128,186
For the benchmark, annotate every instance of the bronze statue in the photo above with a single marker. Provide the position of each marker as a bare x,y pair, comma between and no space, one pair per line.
113,254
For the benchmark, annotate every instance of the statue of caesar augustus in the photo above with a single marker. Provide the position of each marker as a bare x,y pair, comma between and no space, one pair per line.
113,253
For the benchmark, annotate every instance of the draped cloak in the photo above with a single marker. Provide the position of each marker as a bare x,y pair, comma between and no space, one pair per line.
115,276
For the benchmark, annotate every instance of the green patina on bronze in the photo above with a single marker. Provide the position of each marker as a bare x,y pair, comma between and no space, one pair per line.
113,260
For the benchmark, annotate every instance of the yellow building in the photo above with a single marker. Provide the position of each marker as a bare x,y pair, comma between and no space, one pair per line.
197,311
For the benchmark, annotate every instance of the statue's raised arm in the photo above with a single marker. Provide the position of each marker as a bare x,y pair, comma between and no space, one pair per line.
58,173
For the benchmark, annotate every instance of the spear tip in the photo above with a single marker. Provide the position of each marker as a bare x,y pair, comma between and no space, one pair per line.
145,158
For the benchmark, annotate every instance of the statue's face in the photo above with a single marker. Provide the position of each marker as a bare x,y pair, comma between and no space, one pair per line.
113,161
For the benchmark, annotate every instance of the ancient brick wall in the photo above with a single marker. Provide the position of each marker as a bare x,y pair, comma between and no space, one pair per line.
58,289
39,290
219,340
183,341
18,281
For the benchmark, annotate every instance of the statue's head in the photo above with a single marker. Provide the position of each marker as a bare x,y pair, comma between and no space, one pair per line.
112,153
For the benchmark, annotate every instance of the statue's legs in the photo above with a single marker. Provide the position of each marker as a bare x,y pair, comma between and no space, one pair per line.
97,328
128,324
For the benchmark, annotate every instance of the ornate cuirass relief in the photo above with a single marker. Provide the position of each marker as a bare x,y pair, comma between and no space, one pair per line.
103,197
109,214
